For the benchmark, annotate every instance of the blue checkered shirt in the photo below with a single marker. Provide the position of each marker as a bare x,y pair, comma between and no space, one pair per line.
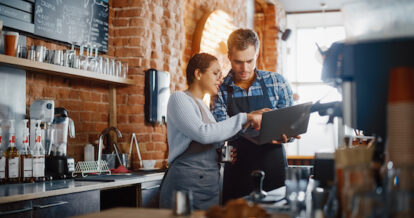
278,88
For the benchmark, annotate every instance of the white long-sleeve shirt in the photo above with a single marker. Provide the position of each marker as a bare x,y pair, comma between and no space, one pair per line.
184,124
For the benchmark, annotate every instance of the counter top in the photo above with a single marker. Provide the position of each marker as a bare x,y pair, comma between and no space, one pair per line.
27,191
152,213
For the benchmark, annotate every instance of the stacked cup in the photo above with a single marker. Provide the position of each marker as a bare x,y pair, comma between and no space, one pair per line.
400,117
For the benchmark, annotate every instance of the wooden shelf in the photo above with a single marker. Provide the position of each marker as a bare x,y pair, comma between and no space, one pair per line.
52,69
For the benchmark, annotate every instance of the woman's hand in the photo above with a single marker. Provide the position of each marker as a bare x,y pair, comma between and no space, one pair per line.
285,139
254,118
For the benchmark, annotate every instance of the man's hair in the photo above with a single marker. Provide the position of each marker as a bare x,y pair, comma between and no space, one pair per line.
241,39
199,61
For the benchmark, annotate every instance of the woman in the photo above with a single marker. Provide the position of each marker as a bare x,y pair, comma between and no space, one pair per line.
194,135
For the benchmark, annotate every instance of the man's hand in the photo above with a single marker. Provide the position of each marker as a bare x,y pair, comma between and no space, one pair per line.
284,139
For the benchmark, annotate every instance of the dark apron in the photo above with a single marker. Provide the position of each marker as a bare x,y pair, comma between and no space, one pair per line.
271,158
196,169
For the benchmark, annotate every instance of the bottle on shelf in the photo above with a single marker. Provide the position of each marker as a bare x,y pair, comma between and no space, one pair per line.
2,159
12,157
26,156
38,154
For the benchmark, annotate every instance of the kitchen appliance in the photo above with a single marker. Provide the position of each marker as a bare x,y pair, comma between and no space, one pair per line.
361,69
58,165
42,110
157,93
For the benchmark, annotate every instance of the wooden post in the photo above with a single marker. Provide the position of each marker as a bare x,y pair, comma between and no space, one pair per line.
112,114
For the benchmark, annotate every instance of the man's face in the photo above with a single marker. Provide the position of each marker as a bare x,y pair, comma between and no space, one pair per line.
243,63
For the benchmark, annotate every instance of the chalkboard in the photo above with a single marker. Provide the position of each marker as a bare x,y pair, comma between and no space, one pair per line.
73,21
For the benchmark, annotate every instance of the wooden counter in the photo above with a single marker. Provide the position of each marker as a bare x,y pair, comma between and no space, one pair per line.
151,213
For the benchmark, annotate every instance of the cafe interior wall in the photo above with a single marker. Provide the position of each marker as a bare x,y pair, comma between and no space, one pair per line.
269,18
147,34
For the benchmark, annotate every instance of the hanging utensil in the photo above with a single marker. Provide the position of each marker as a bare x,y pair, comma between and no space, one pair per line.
134,139
117,154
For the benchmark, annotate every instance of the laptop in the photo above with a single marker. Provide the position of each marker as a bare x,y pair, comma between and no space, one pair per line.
291,121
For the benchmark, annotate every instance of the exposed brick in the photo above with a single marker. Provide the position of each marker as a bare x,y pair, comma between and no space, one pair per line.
149,146
138,21
128,52
134,62
122,118
136,99
120,22
85,116
160,155
120,42
96,97
161,147
134,12
158,138
85,96
136,41
136,119
130,31
121,99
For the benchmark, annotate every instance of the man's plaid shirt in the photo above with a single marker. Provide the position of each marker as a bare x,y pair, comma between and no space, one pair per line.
279,91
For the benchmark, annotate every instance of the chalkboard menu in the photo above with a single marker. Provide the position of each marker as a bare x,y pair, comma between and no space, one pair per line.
73,21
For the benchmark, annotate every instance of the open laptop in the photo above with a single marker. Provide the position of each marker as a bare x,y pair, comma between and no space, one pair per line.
291,121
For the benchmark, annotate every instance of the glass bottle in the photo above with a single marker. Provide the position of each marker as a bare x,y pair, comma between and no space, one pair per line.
2,159
38,154
12,157
26,156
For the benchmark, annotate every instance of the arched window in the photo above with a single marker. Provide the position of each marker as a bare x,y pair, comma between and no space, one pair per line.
211,36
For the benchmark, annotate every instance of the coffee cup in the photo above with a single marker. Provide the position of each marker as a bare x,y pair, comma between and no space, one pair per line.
226,153
148,164
21,51
183,203
10,43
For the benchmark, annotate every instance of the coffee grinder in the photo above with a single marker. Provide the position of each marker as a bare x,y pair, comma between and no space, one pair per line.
58,164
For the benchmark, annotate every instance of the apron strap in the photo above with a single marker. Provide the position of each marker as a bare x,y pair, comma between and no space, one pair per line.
230,91
264,88
229,100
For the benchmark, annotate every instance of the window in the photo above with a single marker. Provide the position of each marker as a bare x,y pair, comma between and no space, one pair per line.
303,70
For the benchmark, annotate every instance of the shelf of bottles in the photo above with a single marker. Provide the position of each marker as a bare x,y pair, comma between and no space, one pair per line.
21,165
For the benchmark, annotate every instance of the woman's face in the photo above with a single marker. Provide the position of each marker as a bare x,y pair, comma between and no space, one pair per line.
210,80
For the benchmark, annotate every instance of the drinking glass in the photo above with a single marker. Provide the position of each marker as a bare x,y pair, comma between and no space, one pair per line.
118,68
91,58
21,51
111,67
124,70
83,57
105,66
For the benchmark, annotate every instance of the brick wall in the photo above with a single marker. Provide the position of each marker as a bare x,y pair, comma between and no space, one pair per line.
267,22
147,34
196,9
86,101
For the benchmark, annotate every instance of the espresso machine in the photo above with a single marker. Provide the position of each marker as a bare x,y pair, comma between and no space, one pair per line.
58,164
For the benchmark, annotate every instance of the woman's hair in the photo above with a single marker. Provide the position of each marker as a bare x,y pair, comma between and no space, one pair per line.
199,61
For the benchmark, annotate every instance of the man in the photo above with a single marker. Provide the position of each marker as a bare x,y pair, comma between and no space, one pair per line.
246,89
